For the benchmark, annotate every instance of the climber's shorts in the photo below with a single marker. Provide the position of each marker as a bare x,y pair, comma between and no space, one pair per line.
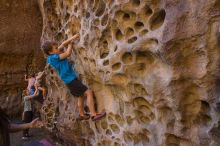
77,88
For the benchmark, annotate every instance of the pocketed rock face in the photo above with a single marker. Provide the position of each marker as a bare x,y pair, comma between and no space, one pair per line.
152,64
21,26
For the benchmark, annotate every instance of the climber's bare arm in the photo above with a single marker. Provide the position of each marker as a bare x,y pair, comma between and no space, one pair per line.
68,41
67,53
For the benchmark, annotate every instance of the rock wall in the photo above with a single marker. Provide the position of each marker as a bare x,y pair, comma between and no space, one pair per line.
153,66
21,27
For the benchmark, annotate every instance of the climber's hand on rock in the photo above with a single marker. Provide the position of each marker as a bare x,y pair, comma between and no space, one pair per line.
77,35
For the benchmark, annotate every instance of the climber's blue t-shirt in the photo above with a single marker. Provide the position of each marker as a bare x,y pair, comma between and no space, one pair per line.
63,67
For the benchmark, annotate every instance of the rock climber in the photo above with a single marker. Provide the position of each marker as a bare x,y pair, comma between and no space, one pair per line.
58,60
31,81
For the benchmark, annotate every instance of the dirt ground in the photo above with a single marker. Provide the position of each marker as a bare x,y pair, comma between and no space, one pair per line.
36,134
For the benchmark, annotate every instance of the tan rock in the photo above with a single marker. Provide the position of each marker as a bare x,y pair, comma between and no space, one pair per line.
151,63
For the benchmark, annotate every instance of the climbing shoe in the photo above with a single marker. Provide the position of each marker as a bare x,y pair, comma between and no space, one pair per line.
98,116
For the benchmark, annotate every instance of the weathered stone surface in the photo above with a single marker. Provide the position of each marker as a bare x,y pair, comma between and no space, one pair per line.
21,27
153,66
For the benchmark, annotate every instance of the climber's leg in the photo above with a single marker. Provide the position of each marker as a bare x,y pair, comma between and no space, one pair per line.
77,89
90,101
80,105
95,116
82,115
